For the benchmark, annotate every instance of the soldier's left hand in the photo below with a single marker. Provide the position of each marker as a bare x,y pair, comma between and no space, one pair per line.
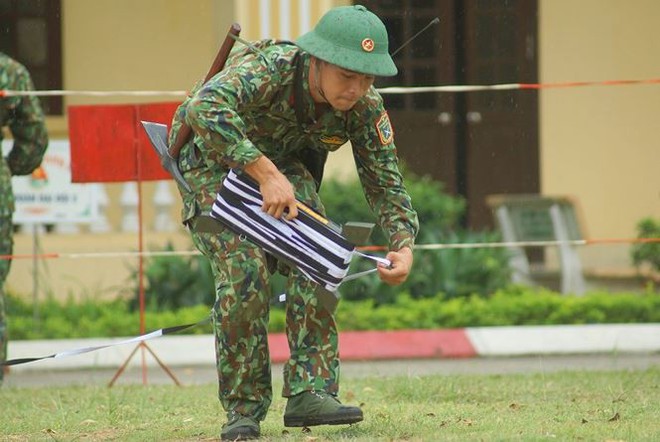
401,263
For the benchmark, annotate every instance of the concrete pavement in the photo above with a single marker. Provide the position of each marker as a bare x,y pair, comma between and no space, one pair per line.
135,374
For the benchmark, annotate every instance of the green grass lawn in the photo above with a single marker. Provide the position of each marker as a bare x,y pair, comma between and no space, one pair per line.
580,406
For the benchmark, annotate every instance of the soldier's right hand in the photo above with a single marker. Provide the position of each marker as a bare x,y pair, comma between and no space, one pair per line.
276,190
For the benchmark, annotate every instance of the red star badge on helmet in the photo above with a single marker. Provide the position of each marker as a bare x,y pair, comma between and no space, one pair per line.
368,45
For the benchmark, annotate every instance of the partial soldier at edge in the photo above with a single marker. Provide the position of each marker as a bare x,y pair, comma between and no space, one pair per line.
25,119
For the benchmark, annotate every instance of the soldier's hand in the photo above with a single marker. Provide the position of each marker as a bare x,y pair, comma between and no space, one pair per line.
278,196
276,190
398,271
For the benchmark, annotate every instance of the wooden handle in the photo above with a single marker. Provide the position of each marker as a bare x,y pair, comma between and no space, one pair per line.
185,132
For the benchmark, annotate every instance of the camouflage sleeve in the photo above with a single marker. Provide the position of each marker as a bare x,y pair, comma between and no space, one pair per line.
214,111
377,165
27,125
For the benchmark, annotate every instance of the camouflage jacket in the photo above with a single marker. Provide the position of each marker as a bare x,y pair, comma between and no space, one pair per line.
25,119
249,109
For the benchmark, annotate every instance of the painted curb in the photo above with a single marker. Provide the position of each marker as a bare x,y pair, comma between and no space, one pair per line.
198,350
565,339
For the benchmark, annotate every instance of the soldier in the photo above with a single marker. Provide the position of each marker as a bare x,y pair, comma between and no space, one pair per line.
25,119
274,112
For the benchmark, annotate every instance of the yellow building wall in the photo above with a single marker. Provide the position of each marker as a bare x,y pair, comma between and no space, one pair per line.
280,19
121,45
601,144
146,45
116,45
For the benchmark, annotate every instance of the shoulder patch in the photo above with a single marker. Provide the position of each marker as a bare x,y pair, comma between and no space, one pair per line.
384,129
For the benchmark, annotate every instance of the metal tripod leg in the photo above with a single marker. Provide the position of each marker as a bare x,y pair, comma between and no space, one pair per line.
143,346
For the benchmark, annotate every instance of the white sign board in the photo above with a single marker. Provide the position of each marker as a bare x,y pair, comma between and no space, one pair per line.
47,196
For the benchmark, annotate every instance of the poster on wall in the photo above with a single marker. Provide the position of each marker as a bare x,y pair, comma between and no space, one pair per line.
47,196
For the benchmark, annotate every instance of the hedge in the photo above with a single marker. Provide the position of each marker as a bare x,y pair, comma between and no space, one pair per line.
510,306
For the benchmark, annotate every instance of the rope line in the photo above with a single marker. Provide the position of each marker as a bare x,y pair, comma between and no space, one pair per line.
513,86
386,90
56,93
437,246
493,245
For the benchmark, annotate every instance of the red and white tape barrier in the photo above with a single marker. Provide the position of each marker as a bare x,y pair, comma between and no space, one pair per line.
513,86
387,90
438,246
58,93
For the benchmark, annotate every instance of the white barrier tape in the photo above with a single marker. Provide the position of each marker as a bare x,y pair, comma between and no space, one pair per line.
77,351
100,255
578,242
492,245
125,254
353,276
378,259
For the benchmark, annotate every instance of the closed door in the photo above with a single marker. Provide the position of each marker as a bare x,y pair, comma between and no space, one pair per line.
498,146
476,143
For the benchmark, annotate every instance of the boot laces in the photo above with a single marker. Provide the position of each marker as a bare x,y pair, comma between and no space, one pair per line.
319,394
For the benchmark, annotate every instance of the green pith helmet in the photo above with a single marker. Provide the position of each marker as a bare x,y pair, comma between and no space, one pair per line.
353,38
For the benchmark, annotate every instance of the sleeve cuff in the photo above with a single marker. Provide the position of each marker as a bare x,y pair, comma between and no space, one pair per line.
402,239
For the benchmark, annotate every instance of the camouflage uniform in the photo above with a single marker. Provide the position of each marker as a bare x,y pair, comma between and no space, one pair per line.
25,119
247,110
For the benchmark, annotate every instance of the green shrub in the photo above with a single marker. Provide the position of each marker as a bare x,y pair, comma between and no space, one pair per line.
649,252
511,306
70,318
89,318
437,211
453,272
173,282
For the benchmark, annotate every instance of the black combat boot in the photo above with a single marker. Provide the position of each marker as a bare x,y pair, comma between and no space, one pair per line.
319,408
239,427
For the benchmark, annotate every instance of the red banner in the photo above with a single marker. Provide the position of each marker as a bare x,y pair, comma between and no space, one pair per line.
108,143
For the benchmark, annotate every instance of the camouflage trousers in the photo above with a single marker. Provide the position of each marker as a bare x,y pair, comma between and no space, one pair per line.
240,320
6,247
